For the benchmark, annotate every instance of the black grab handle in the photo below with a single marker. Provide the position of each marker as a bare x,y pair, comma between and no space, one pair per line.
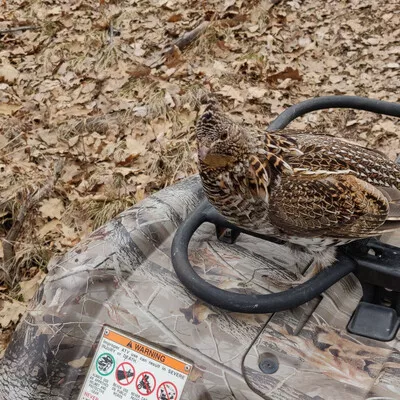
320,103
245,303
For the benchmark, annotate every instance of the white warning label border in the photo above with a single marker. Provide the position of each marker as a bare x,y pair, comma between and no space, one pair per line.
126,368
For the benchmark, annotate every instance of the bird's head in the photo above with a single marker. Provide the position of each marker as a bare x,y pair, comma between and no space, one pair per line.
221,142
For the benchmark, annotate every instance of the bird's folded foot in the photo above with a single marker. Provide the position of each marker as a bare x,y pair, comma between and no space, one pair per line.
286,284
315,268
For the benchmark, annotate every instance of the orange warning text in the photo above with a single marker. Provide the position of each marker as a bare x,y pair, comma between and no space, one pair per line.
149,352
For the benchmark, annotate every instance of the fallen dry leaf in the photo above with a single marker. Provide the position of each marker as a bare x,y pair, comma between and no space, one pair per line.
174,58
52,208
196,374
8,73
134,146
197,312
29,287
255,92
175,18
48,137
231,93
9,109
140,71
11,312
52,226
287,73
79,362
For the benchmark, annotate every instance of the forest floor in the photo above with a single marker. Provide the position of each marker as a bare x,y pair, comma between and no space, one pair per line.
98,101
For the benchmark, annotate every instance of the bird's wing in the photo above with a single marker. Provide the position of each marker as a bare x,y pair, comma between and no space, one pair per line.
319,137
333,154
331,204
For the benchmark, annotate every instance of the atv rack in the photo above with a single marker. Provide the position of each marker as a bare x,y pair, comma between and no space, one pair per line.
376,264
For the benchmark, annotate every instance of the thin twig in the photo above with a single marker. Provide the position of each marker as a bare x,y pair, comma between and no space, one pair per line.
180,43
187,38
9,142
111,33
18,29
3,295
13,233
16,151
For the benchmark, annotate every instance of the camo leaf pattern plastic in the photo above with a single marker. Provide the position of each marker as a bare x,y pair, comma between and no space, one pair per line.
122,276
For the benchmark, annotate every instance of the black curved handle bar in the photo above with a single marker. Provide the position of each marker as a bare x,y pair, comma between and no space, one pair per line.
246,303
266,303
324,102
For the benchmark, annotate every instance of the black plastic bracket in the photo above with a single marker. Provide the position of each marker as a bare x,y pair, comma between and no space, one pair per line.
227,235
376,264
378,269
374,321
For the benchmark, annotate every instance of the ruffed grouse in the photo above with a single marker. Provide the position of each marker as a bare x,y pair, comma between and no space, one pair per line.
314,191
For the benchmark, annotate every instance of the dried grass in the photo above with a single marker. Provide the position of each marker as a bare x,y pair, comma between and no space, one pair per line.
176,161
102,211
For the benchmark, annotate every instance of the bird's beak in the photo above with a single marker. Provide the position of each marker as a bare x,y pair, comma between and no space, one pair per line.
203,152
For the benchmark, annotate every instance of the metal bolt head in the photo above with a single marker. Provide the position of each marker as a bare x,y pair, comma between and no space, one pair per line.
268,363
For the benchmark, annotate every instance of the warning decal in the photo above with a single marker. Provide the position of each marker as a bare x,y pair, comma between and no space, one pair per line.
146,383
141,371
105,364
167,391
125,373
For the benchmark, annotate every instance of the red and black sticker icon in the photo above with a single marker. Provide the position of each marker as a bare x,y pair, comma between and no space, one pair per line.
167,391
145,383
125,373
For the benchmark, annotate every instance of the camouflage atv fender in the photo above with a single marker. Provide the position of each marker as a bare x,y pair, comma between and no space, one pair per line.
122,276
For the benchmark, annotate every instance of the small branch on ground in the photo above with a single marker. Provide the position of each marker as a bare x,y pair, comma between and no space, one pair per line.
12,235
111,34
187,38
181,43
18,29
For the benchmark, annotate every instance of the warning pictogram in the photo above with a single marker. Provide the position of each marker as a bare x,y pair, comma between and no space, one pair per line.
167,391
105,364
125,373
145,383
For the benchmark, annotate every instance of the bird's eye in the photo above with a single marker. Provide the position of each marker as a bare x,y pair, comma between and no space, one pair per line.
207,116
224,136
